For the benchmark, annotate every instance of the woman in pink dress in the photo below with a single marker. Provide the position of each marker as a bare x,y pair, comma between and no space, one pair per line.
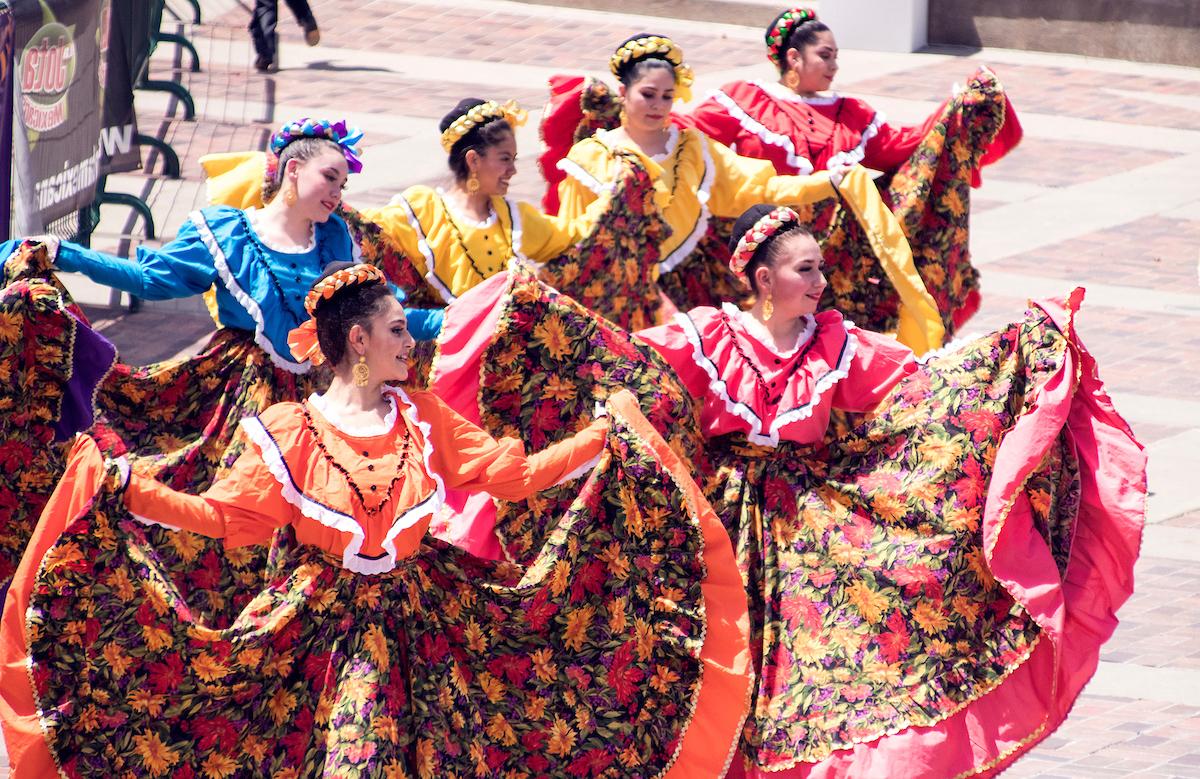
934,552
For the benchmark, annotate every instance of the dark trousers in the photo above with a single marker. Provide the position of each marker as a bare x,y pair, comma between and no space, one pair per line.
266,16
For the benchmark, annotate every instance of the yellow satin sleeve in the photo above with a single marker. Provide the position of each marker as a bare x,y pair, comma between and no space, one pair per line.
920,325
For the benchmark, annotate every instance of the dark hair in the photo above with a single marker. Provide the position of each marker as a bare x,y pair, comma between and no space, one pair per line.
479,138
351,305
633,70
301,149
769,250
803,34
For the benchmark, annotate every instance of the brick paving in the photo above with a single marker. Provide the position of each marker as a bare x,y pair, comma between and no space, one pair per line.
1140,351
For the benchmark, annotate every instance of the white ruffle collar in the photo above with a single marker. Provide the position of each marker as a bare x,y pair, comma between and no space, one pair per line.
464,219
366,431
779,91
759,331
254,216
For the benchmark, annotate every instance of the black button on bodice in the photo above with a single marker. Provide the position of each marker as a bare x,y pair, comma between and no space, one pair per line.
370,467
374,487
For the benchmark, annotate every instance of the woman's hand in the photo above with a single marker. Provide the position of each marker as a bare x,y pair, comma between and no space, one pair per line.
837,173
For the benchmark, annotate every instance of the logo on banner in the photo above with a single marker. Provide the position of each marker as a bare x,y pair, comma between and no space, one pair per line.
47,70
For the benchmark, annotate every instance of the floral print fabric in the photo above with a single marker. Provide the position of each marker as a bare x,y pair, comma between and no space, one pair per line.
873,605
543,371
586,663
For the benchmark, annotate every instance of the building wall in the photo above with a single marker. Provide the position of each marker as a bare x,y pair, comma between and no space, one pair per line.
1166,31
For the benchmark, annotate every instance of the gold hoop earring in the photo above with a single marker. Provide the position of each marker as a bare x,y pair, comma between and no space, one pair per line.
290,196
472,184
768,308
362,373
791,80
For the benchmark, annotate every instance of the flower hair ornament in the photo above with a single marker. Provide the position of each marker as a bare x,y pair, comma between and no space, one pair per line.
781,29
302,340
658,47
763,230
482,114
345,137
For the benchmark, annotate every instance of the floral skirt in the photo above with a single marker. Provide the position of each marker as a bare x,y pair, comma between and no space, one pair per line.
929,591
176,421
620,651
522,360
611,271
50,365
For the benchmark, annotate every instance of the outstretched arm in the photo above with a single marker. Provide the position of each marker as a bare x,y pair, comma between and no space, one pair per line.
468,458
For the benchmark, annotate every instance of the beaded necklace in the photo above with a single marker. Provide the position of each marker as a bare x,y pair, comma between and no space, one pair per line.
371,510
458,236
763,384
259,254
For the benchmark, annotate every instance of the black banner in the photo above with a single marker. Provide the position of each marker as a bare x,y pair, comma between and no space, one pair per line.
7,40
128,46
58,103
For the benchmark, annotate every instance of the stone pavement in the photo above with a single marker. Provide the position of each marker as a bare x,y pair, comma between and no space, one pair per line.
1102,193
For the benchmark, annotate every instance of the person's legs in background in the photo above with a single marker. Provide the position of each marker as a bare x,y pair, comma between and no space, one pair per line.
262,30
304,15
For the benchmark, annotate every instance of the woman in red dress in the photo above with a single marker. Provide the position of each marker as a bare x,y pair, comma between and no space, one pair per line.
928,168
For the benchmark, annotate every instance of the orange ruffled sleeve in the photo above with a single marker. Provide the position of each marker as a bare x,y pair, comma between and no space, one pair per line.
468,458
244,508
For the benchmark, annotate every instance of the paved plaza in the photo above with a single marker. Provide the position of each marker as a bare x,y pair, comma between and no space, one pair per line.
1102,193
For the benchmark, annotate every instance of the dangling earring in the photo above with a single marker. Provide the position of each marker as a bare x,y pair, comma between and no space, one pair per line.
768,308
472,184
791,80
624,118
362,373
289,196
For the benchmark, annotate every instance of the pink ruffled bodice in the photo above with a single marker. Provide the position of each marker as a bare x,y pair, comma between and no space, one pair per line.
727,361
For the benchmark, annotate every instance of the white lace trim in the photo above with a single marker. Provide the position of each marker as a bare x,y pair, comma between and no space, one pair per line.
252,216
855,155
671,261
367,431
426,250
585,468
672,142
763,335
949,348
719,388
577,172
462,218
514,219
437,499
778,90
750,125
221,262
823,384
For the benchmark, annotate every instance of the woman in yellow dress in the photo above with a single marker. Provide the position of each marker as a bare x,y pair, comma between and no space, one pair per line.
694,176
438,242
697,178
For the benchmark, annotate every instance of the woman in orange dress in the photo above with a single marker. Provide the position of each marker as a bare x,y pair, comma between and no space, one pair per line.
373,649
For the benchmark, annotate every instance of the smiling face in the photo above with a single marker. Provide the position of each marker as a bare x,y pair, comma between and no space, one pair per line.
795,278
648,99
815,64
495,165
318,183
385,341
